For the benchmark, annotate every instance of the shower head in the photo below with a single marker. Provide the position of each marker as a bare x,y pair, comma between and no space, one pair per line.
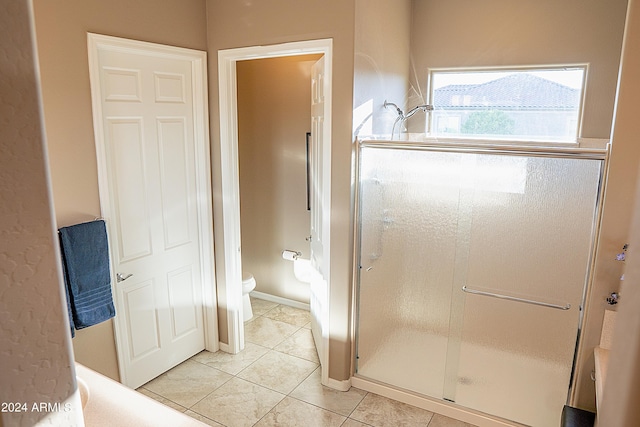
402,116
425,108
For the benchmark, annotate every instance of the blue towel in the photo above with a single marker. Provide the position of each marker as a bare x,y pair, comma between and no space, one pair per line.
72,327
85,254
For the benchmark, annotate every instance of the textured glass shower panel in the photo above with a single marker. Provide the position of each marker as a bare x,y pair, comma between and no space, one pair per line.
515,359
409,205
432,222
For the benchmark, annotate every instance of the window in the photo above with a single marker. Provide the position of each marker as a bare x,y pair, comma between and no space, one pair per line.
538,104
448,124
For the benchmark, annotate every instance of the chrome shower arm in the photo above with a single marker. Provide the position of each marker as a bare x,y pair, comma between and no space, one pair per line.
398,110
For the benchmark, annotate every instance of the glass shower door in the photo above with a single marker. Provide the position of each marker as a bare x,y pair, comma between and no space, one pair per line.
408,220
533,244
450,245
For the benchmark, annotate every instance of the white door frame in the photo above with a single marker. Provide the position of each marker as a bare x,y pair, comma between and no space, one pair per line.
198,60
230,277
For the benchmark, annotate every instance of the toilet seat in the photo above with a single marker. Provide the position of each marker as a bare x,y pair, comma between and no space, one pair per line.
248,284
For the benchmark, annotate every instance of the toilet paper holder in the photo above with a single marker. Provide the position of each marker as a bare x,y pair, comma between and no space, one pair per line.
290,255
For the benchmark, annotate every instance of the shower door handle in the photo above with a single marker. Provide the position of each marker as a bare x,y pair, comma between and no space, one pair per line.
567,306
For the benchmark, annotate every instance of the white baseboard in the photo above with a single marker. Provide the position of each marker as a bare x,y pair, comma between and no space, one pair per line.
340,385
280,300
223,347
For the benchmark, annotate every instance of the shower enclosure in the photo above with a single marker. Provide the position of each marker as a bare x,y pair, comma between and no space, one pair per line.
473,263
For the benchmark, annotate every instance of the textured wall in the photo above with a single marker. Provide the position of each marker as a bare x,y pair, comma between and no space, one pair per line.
35,352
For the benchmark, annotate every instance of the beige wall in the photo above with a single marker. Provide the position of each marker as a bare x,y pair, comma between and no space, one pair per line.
61,29
462,33
622,388
35,350
240,24
381,67
274,115
61,33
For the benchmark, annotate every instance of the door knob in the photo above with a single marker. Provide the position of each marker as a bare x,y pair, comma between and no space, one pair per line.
122,277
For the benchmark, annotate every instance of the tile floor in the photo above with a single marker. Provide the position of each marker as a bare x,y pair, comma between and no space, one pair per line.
275,381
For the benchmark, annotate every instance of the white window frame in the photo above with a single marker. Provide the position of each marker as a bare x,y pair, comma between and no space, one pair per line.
430,123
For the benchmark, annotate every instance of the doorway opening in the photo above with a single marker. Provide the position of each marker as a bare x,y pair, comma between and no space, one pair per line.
229,273
274,124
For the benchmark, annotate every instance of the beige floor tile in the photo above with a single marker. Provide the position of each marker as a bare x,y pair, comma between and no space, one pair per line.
268,332
353,423
379,411
278,371
341,402
188,382
260,306
238,403
291,315
232,363
301,345
161,399
442,421
203,419
294,413
279,359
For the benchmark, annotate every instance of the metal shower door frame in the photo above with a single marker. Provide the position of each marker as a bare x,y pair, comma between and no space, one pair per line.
485,147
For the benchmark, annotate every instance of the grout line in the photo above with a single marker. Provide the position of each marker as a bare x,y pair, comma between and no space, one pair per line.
269,349
211,392
366,393
204,416
164,398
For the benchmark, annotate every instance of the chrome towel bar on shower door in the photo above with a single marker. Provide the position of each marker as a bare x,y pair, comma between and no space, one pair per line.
510,298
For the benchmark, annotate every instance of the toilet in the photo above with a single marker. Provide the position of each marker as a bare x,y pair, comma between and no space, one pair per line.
248,284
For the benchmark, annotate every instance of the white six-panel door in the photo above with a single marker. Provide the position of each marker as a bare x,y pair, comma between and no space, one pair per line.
319,203
150,138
